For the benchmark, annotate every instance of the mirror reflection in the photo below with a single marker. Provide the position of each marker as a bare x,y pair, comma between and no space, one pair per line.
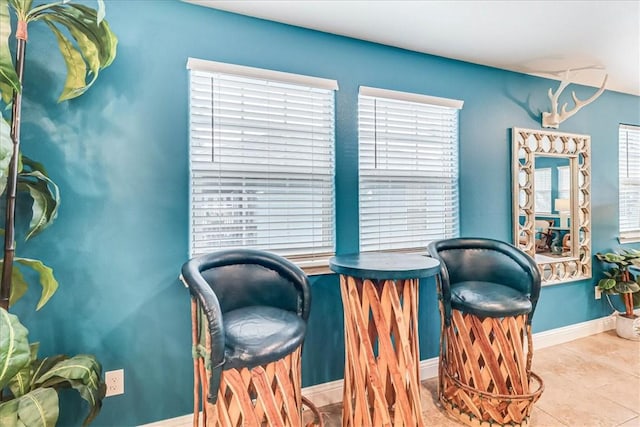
551,203
552,208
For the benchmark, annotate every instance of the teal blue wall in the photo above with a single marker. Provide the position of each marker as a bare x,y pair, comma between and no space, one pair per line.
119,154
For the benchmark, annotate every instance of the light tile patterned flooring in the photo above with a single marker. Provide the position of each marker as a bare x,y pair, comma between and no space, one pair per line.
589,382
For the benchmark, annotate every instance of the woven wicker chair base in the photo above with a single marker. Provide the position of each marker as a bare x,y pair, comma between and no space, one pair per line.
267,395
485,371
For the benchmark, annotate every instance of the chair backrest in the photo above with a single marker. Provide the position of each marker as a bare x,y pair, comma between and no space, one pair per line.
244,277
488,260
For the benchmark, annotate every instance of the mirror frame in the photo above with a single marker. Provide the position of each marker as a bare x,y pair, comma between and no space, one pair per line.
577,148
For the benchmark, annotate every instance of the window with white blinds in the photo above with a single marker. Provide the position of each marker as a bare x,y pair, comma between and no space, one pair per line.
408,167
542,183
564,182
261,161
629,180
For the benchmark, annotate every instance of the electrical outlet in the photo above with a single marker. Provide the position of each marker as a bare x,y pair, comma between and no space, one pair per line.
598,293
115,382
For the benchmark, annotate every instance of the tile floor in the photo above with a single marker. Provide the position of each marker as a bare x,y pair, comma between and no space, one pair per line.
589,382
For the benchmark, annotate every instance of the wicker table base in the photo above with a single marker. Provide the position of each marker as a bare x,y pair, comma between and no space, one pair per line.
382,389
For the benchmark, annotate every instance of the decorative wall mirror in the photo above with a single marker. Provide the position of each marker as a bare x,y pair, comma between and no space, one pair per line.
552,202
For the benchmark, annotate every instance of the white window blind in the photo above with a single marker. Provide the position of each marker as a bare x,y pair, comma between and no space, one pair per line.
629,177
564,182
543,190
408,167
261,162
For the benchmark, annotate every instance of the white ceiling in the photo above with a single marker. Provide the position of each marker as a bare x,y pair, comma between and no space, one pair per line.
539,37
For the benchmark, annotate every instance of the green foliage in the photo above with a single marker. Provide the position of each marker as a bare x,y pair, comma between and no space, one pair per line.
6,148
618,278
19,285
14,348
91,47
30,384
34,181
36,408
9,81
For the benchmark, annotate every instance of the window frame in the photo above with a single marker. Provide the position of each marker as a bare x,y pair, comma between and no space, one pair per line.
310,260
626,183
544,194
370,177
564,182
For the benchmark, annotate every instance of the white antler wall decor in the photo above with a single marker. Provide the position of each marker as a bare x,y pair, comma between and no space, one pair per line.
554,118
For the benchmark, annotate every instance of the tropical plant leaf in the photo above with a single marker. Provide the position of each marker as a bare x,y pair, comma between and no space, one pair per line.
83,367
90,395
38,408
18,284
83,373
32,165
6,91
20,384
613,258
6,150
33,13
108,40
39,208
101,12
87,47
93,36
47,280
45,194
42,366
22,6
606,284
9,80
14,347
624,287
76,68
86,19
9,414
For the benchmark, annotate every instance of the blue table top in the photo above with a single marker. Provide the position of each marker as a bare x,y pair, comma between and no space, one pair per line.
381,266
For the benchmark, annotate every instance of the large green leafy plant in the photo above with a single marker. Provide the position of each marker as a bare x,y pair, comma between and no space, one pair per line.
33,382
28,385
619,279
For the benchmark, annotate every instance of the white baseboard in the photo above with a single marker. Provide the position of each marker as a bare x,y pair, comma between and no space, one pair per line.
331,392
573,332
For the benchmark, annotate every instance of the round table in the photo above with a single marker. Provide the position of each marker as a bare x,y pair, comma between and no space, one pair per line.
380,302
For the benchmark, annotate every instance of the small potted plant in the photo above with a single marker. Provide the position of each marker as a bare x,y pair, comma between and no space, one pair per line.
620,280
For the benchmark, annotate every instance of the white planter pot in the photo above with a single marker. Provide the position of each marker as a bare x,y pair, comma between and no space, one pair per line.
628,328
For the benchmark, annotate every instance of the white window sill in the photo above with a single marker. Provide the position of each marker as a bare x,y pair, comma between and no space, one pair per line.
317,270
629,238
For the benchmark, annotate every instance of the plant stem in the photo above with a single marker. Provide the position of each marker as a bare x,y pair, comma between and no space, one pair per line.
628,304
12,179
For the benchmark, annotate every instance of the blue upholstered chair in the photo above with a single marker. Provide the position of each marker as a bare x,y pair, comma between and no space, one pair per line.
488,291
249,313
